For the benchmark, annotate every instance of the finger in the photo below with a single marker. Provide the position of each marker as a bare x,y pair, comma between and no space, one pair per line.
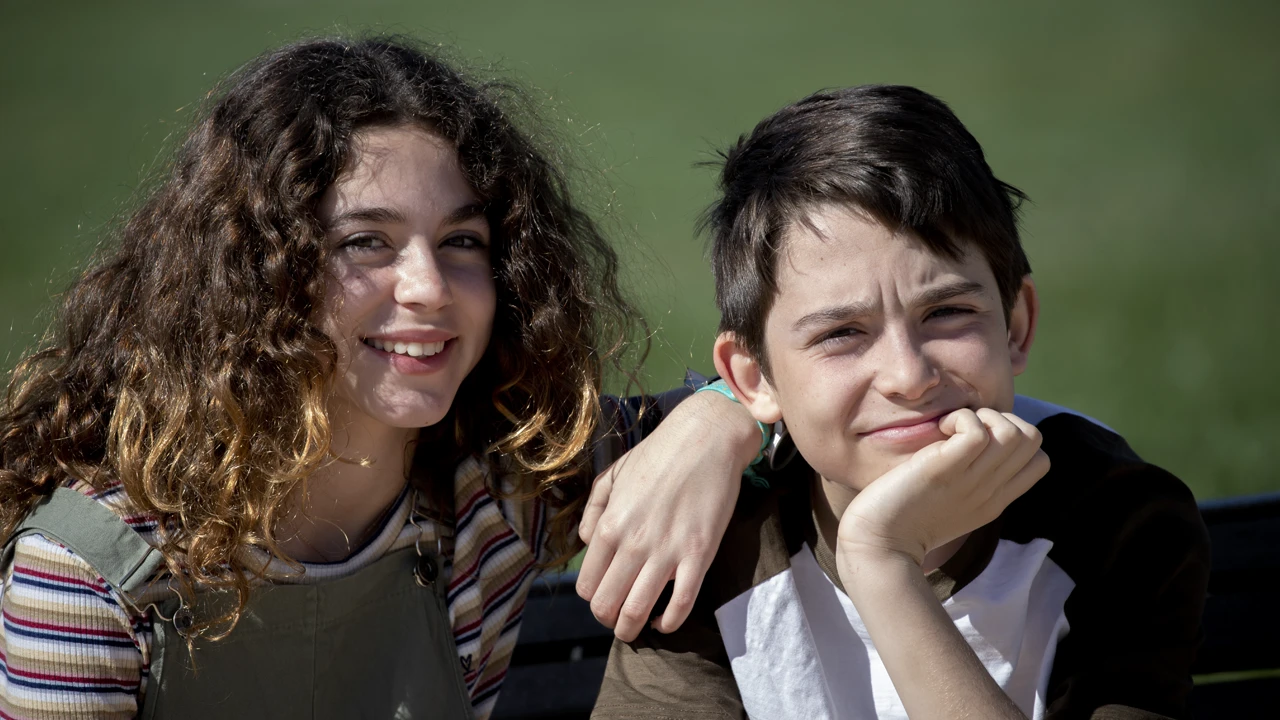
968,435
614,587
594,566
597,500
636,611
1006,437
1022,481
689,576
1028,444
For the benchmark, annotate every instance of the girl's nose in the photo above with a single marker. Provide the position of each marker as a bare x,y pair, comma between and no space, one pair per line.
421,281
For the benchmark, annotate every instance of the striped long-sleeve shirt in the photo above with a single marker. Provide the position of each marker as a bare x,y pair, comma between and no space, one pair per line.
70,646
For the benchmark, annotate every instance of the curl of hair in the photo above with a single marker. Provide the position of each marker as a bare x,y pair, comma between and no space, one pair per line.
187,362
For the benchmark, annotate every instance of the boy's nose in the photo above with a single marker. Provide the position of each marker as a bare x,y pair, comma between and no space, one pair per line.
902,368
421,281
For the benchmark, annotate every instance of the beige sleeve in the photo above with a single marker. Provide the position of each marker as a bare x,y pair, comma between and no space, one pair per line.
684,674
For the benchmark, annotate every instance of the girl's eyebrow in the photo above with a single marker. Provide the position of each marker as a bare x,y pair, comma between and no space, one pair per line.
470,211
391,216
382,215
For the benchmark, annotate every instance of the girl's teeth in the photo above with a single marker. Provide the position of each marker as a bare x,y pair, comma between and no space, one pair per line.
412,349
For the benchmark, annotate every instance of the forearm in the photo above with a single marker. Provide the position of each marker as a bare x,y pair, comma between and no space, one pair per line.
936,673
709,422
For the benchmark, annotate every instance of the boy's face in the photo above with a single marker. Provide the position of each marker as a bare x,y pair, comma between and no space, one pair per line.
872,338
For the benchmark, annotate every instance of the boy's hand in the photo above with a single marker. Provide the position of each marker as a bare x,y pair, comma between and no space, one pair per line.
946,489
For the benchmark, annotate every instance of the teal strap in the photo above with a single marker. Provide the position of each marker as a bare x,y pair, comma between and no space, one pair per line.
96,534
720,386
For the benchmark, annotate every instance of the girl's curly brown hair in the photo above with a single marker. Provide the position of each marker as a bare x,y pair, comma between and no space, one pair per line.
187,362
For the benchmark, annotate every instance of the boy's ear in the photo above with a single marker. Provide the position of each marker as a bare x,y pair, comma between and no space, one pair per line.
1022,324
741,372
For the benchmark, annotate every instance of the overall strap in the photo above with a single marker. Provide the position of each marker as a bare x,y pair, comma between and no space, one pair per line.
89,529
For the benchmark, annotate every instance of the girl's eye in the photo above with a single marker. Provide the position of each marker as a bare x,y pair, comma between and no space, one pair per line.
466,242
362,242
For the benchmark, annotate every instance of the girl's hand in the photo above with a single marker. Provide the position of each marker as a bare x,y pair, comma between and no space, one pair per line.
660,511
946,489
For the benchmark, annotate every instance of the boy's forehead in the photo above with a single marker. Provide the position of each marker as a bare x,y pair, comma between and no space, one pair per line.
843,251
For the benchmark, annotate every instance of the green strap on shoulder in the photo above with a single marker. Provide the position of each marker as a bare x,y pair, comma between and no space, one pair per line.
89,529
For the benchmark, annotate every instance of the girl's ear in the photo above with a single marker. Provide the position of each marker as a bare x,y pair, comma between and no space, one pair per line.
1022,324
742,373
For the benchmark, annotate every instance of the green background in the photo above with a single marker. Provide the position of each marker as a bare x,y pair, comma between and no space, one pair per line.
1144,131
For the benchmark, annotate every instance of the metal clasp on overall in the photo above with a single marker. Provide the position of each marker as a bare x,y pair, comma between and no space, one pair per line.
427,569
183,619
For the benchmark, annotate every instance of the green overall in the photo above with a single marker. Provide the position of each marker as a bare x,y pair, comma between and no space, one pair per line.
375,644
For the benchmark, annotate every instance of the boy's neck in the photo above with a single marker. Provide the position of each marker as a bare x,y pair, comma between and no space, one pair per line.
831,499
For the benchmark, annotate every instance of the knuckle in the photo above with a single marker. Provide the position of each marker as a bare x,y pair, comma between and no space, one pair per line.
602,612
697,545
609,530
633,613
1005,433
682,600
1034,436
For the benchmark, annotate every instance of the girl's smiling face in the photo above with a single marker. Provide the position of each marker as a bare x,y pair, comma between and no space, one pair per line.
411,294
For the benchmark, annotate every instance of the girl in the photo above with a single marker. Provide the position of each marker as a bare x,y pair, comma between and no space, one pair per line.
309,429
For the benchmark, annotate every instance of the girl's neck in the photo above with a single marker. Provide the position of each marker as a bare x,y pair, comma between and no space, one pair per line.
349,498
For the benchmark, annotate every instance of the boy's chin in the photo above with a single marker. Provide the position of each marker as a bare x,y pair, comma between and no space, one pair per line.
858,475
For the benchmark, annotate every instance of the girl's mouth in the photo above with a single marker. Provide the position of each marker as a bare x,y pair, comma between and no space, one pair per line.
410,349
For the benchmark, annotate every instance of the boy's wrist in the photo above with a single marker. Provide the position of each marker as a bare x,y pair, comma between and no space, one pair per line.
867,565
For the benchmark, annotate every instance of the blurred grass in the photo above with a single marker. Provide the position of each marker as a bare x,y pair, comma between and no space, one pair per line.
1144,132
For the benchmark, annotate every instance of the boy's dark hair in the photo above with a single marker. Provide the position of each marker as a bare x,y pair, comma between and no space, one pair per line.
896,153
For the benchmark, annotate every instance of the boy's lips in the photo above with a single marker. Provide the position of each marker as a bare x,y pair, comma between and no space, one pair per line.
909,430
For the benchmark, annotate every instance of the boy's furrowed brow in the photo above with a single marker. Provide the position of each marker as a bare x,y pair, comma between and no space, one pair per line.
949,291
833,314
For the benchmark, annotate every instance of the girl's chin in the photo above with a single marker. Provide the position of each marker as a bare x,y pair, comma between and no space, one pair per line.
419,412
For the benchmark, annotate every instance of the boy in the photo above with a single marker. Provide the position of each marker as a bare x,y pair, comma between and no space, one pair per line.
920,558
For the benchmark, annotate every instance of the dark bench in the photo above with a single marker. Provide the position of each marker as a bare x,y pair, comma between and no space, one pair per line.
1238,667
560,658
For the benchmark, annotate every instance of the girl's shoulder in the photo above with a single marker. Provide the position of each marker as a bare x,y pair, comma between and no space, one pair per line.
40,548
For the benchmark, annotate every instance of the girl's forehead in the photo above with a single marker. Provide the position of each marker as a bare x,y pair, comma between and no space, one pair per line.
402,168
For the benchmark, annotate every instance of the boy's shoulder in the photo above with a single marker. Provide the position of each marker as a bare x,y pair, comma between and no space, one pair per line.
1097,489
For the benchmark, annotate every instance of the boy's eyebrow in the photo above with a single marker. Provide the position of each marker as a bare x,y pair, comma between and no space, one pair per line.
948,291
835,313
931,296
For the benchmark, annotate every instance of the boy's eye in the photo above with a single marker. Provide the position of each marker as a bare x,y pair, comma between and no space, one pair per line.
944,312
842,334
